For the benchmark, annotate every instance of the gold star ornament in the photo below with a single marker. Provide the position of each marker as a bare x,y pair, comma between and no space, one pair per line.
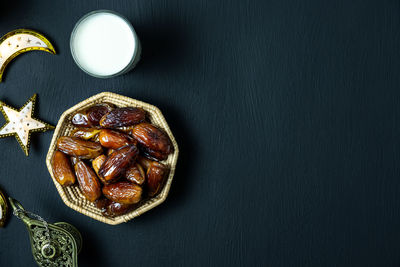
21,124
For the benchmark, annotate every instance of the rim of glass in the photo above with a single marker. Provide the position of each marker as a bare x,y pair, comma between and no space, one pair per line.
136,51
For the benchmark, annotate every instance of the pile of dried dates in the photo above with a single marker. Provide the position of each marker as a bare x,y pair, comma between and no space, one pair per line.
114,155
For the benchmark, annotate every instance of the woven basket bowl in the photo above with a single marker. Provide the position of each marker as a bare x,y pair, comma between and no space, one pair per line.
72,195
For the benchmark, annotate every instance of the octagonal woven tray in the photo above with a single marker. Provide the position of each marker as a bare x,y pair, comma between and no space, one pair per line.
72,196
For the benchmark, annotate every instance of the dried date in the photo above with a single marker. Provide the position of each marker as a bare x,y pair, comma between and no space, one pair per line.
97,162
123,192
114,140
85,133
90,117
79,148
88,181
117,163
156,173
154,141
121,117
102,203
135,174
114,209
62,169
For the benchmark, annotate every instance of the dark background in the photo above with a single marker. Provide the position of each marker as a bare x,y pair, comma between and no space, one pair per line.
286,113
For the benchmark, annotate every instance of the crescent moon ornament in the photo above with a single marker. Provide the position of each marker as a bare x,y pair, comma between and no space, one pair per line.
20,41
20,123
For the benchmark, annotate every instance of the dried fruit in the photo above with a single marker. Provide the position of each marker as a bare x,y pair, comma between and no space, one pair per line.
117,163
102,203
85,133
110,151
155,178
114,209
107,149
97,162
121,117
156,174
123,192
96,138
127,129
155,142
62,169
113,139
90,117
153,155
74,161
79,148
88,181
135,174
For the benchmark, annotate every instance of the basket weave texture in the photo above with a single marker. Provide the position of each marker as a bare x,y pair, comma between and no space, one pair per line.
72,195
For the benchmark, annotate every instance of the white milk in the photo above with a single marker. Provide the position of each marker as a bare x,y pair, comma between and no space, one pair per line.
103,44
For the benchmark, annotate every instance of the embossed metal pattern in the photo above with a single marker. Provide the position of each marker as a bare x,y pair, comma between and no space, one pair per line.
3,209
53,245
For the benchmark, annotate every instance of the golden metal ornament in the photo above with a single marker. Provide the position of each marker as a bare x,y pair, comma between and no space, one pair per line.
20,41
52,244
20,123
3,209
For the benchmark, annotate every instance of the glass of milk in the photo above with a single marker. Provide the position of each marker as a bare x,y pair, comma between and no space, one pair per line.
104,44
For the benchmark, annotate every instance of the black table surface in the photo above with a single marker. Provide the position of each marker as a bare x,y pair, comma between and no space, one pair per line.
286,113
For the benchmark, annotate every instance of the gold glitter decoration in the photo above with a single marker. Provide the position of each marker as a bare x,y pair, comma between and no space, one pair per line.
20,41
20,123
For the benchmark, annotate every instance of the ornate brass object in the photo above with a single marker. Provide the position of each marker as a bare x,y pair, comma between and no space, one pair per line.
3,209
52,245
